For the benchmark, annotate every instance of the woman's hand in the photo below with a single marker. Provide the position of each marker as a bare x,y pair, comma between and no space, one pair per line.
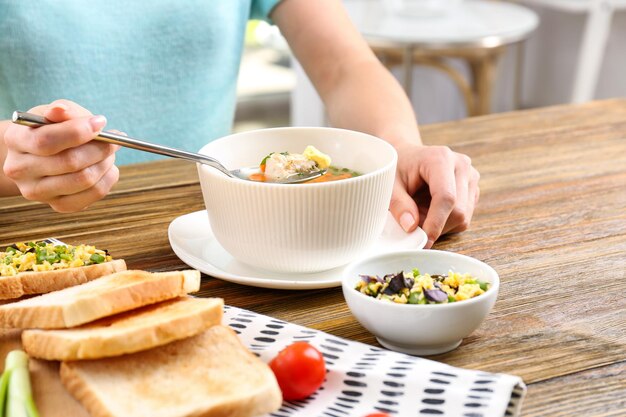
59,164
435,188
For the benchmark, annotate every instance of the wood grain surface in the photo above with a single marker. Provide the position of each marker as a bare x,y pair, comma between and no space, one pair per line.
551,220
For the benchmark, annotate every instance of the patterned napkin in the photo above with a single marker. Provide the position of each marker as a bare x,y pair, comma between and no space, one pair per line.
363,379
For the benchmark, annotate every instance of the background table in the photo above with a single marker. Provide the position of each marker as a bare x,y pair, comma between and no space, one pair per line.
474,31
551,221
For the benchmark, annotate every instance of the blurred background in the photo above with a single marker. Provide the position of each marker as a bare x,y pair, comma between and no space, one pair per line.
490,56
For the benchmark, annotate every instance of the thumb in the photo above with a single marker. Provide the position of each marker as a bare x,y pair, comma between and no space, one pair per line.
403,208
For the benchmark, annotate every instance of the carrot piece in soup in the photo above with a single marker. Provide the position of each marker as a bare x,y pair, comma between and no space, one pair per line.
257,176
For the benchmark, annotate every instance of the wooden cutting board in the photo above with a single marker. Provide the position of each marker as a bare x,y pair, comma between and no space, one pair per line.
51,398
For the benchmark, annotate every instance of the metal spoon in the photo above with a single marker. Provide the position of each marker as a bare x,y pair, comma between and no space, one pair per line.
34,120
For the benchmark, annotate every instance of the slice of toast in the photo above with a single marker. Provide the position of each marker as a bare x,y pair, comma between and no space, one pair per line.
129,332
28,283
102,297
211,374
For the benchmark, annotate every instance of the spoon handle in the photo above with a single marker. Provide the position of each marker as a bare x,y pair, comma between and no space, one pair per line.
34,120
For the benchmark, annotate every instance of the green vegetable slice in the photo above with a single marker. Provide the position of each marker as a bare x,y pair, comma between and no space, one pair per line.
96,258
19,402
4,385
41,255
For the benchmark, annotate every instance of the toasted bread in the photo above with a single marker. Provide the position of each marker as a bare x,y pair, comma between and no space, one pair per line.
29,282
211,374
102,297
129,332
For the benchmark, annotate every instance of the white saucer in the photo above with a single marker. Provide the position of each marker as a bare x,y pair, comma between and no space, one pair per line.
193,242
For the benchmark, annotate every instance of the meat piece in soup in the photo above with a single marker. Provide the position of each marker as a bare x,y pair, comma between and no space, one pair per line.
280,166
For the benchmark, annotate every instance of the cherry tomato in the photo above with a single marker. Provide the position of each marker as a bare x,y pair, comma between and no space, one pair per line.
300,370
378,415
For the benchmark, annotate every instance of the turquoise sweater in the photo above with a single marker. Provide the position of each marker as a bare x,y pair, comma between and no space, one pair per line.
160,70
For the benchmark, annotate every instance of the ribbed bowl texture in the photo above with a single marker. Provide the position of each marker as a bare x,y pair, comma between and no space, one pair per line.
299,227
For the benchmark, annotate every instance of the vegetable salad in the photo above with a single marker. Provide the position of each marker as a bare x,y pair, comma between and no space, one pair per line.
43,256
416,288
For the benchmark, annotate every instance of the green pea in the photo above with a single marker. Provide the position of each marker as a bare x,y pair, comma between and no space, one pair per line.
414,298
53,258
96,258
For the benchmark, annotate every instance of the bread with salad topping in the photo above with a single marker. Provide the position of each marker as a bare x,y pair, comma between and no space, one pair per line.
129,332
211,374
41,267
102,297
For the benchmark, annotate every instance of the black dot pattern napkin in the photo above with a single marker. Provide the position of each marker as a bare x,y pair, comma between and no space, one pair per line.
363,379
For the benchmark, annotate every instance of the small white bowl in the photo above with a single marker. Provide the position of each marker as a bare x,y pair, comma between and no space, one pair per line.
420,329
299,227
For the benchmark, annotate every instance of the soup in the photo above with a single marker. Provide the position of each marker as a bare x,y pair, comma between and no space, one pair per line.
281,165
334,173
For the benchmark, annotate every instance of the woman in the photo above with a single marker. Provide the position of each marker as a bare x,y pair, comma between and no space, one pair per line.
166,70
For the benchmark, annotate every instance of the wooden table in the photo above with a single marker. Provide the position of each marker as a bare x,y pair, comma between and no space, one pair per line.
551,221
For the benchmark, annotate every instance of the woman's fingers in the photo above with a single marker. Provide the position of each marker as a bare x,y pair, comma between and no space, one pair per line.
59,163
48,188
443,183
74,125
403,207
467,178
473,193
475,190
83,199
460,215
439,175
67,161
51,139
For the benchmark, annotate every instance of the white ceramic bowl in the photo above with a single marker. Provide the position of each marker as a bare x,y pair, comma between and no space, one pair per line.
299,227
420,329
